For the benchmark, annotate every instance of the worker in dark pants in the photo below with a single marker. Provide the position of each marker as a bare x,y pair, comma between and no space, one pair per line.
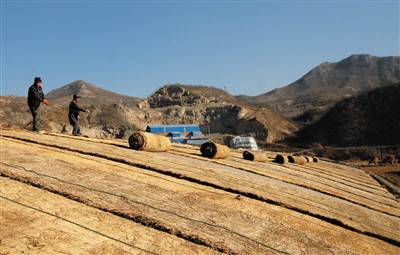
35,98
73,115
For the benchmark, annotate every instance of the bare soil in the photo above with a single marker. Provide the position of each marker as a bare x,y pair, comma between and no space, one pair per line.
388,171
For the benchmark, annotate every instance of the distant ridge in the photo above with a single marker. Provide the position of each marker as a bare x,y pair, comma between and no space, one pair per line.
90,93
372,118
328,83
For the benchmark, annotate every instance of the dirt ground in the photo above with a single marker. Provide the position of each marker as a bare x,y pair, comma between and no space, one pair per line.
195,205
389,172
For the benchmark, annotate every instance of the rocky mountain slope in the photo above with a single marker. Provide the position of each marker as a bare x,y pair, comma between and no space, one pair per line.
372,118
185,95
312,95
90,93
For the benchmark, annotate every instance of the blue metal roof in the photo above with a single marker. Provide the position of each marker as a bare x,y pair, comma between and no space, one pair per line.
174,125
173,128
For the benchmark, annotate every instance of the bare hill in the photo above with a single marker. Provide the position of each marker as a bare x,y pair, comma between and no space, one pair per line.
91,94
371,118
323,86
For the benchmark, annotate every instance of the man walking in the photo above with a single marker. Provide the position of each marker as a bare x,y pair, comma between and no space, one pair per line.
35,98
73,115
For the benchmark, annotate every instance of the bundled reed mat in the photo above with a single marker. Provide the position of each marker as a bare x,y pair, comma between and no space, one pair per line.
309,159
255,156
297,160
281,159
215,151
144,141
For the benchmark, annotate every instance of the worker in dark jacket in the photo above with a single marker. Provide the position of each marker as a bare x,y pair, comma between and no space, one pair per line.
35,98
73,115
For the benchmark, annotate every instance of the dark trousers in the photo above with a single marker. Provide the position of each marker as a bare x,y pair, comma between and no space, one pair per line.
73,120
35,118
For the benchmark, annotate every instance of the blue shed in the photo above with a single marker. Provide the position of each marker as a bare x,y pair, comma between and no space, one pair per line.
180,133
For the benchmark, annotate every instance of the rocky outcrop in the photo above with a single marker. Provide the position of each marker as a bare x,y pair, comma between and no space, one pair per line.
184,95
217,112
175,95
236,120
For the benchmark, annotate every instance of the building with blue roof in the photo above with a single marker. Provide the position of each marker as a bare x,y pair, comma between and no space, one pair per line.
183,128
180,133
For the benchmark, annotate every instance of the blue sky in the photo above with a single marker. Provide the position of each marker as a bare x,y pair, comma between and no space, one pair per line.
134,47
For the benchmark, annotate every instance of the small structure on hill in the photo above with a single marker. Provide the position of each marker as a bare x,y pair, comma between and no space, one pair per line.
179,133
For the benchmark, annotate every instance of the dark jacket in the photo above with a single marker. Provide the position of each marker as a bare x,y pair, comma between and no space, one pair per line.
35,96
74,110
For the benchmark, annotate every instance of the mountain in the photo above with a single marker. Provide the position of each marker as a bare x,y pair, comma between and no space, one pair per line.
372,118
90,93
314,93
